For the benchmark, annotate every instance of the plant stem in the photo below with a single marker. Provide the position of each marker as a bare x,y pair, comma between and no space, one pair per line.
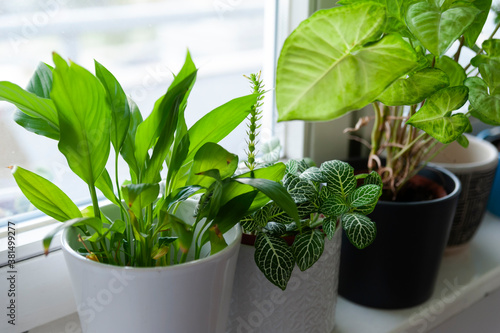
95,203
376,135
409,146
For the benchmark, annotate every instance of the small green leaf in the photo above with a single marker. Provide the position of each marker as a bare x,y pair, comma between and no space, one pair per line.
340,177
45,196
364,195
308,248
453,69
36,125
211,156
360,230
474,30
217,241
276,229
415,88
436,118
93,222
313,174
274,258
138,196
438,27
248,224
300,190
485,107
332,203
183,231
330,226
275,192
105,185
41,81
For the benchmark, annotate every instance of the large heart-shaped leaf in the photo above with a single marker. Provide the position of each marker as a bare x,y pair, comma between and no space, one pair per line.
274,258
415,88
436,26
84,119
436,118
308,248
340,177
360,230
485,106
329,65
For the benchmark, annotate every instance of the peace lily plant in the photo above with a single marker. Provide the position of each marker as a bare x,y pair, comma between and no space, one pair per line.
406,58
326,197
87,114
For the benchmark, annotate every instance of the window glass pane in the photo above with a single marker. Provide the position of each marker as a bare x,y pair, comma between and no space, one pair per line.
142,42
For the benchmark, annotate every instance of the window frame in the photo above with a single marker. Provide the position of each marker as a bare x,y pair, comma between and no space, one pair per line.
43,285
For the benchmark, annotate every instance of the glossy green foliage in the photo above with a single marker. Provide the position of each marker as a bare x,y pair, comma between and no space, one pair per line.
87,114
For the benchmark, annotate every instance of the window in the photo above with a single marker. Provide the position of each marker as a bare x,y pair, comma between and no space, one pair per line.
142,42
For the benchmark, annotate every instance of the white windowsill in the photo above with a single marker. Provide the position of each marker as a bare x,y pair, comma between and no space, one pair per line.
464,282
464,279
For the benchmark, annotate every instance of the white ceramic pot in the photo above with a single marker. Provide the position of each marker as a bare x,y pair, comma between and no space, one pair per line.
188,298
306,306
475,166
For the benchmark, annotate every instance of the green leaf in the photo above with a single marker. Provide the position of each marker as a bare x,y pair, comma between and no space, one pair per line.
217,241
218,123
29,103
438,27
248,224
360,230
183,231
453,69
330,226
436,119
275,192
308,248
340,177
300,190
273,213
105,185
41,81
84,119
275,228
128,147
139,196
157,130
36,125
489,65
364,196
118,103
274,258
271,150
93,222
45,196
415,88
474,30
313,174
332,203
485,107
211,156
328,65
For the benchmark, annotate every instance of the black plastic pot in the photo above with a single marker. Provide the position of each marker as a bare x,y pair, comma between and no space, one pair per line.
399,269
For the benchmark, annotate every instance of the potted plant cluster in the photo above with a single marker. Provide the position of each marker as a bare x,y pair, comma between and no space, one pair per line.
394,56
153,259
287,272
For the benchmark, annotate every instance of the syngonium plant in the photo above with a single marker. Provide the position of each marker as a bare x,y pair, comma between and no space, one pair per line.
396,55
87,114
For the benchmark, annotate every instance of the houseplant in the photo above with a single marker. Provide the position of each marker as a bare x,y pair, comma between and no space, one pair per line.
145,237
302,258
392,54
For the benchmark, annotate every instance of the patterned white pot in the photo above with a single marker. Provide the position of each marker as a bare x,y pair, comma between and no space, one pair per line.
306,306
